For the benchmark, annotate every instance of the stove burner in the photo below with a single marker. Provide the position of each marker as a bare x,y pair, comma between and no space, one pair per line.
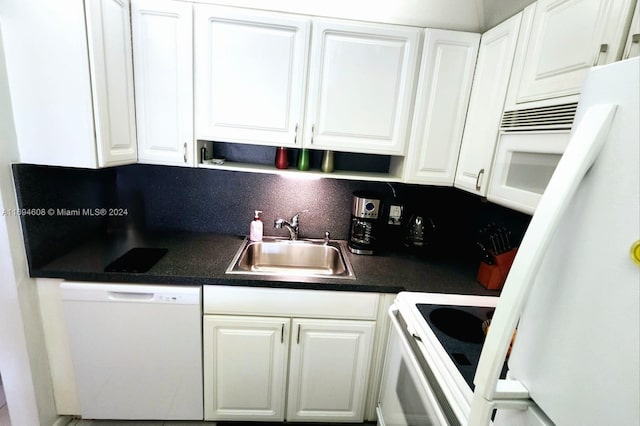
459,331
458,324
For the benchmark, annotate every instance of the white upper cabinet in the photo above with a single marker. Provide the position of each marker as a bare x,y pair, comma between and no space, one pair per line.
162,54
72,94
361,85
632,47
567,38
446,73
109,36
250,74
495,59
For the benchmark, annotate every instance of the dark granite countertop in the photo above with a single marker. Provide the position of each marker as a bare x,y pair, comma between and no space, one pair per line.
202,259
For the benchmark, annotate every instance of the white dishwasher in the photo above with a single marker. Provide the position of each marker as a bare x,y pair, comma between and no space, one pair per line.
136,350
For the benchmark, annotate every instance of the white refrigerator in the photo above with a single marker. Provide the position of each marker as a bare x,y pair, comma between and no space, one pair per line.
573,293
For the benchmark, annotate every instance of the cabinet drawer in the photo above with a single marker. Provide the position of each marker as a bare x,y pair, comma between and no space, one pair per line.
289,302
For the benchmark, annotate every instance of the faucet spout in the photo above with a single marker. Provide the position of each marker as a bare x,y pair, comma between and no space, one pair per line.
292,226
293,230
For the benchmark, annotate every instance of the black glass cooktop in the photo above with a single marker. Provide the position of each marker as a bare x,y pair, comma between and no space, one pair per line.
138,259
459,330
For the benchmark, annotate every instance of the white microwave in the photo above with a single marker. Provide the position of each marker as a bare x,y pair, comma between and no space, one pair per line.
530,144
522,168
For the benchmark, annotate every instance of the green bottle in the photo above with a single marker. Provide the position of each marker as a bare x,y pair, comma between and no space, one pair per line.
303,159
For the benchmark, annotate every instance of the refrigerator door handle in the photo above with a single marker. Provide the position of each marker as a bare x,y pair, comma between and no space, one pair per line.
582,151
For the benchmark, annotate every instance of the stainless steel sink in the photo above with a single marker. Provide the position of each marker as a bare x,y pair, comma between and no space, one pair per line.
307,258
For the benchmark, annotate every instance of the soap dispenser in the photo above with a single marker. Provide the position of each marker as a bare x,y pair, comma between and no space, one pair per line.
256,227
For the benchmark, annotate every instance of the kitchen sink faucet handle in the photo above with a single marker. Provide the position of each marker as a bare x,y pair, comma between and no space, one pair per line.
294,219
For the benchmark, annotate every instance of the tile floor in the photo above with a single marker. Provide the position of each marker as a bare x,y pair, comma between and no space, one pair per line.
197,423
136,423
5,421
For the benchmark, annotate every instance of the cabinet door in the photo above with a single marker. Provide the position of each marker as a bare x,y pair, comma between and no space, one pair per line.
162,53
250,70
245,361
111,64
497,50
567,38
361,81
446,73
632,47
329,369
50,87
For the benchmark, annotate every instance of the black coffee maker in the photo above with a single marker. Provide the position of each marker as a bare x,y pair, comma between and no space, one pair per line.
364,222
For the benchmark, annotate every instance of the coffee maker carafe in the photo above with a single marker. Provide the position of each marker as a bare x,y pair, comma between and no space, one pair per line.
364,222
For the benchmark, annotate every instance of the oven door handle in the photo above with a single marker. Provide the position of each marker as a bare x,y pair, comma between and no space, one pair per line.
415,366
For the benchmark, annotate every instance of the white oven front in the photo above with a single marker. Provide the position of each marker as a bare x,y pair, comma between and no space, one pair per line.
422,384
408,396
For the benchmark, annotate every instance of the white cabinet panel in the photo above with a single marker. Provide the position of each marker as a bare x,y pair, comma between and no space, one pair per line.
245,366
72,94
238,300
632,47
329,369
495,59
109,35
567,38
446,73
361,82
250,74
162,50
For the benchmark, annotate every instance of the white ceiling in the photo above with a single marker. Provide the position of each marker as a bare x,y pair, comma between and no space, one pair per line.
496,11
463,15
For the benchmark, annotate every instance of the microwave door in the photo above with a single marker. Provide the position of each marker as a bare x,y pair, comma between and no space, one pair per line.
523,166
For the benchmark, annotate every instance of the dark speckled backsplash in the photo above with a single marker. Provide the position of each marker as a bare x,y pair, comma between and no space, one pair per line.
55,194
206,200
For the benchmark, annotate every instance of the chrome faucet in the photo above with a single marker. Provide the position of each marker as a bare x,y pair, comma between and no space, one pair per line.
292,226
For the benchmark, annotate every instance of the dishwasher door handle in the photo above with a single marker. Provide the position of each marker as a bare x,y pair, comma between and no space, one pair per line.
138,297
130,293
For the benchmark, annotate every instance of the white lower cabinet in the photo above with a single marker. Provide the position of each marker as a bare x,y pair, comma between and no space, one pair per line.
294,355
245,368
329,369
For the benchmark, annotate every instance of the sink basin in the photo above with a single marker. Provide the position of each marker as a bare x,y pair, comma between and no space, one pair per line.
276,256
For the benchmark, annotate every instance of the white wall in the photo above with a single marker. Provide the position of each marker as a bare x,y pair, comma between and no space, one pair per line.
23,361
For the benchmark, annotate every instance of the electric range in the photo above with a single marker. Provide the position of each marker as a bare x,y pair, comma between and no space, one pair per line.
434,348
